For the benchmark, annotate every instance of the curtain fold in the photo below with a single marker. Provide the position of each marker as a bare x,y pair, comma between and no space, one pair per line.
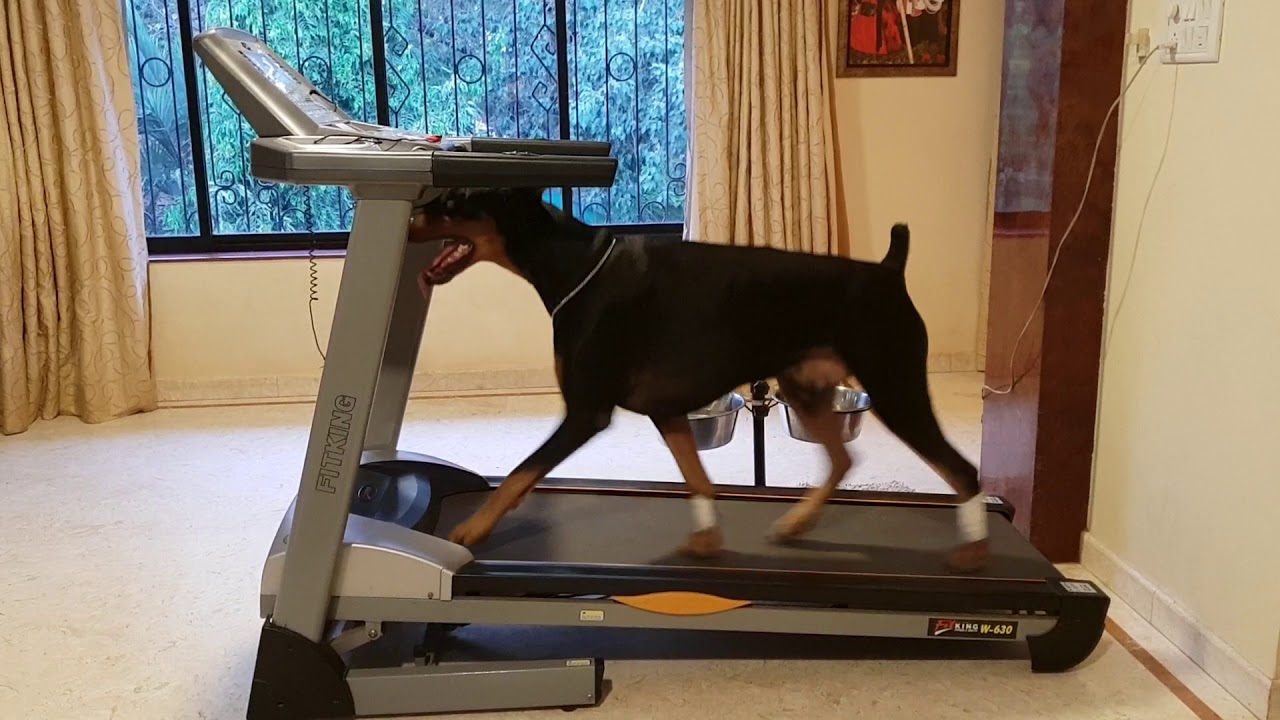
74,312
763,168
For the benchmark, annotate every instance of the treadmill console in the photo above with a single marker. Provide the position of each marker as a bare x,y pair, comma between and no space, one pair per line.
273,96
304,138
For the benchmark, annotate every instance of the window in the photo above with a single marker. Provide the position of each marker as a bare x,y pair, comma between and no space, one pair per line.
453,67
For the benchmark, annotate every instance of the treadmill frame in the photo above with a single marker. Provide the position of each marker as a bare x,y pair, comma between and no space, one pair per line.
333,578
1061,619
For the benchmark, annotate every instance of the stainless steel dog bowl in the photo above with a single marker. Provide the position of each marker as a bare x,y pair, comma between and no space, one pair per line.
849,405
713,423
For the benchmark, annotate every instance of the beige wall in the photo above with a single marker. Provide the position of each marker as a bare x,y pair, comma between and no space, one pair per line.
236,329
1186,491
922,150
914,149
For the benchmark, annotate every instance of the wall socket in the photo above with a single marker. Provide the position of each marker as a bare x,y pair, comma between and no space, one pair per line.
1194,27
1140,39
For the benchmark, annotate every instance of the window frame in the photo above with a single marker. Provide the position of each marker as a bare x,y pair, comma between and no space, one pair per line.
209,243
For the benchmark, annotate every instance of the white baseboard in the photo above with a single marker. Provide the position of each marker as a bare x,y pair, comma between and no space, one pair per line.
290,387
301,387
1247,684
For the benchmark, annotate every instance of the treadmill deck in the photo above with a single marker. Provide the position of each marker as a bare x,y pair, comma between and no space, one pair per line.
567,541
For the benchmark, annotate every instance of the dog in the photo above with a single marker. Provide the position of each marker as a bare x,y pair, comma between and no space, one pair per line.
664,329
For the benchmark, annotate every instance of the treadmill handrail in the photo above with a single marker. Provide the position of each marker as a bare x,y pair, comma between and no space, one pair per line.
483,169
536,146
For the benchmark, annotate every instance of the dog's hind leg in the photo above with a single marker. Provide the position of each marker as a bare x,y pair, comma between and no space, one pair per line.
809,389
706,539
899,388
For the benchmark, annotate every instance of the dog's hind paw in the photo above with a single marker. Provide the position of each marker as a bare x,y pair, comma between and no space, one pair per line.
969,557
796,523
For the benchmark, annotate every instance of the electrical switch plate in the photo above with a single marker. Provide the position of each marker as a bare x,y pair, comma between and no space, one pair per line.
1195,26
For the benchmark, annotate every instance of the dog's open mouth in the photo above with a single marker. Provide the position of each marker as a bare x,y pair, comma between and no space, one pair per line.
453,259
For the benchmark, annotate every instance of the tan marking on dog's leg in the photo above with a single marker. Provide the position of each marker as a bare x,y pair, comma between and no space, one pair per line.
574,430
706,539
820,369
809,386
803,516
507,497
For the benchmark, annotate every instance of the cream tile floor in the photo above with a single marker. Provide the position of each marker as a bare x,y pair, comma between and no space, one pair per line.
130,553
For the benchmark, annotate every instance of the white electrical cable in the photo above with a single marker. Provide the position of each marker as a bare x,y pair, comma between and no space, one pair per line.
1070,226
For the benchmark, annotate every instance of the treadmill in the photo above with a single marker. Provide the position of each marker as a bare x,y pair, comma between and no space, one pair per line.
361,561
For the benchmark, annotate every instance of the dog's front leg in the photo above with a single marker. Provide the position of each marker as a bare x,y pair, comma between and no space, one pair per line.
706,539
574,431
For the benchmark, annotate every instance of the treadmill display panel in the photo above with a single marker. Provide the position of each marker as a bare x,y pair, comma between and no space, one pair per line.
300,91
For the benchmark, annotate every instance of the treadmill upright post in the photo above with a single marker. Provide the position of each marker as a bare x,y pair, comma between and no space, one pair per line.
400,356
356,343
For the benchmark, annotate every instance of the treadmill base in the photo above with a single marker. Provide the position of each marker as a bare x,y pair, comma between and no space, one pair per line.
402,578
477,687
1082,620
296,678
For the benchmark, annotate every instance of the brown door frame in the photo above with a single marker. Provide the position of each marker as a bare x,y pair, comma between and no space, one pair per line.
1038,439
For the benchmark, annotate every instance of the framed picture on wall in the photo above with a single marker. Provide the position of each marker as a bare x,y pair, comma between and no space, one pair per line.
898,38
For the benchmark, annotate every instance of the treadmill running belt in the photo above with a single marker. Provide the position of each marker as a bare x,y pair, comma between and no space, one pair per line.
620,540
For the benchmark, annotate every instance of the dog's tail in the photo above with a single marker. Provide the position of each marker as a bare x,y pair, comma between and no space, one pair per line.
899,245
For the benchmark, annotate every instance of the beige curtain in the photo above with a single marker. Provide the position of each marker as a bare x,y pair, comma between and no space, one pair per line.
74,324
762,148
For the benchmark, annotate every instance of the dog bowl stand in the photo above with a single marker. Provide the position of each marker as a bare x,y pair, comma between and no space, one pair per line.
760,404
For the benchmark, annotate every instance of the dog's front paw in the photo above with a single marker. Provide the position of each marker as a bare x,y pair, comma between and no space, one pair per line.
970,557
472,531
703,543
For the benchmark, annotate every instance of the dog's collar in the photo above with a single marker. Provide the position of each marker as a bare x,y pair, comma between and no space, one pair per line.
565,300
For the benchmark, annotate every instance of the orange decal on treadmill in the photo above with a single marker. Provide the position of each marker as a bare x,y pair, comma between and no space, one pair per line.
681,603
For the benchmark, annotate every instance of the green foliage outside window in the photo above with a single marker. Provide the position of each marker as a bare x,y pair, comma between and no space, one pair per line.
453,67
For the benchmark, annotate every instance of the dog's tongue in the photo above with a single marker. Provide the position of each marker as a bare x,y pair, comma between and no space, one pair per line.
429,276
424,283
439,263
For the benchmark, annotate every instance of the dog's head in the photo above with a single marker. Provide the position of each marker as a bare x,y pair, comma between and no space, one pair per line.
497,225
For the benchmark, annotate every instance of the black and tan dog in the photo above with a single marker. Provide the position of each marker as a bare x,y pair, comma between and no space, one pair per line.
662,330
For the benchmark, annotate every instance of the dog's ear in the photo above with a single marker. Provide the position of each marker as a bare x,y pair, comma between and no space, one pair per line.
529,194
526,203
466,204
513,206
